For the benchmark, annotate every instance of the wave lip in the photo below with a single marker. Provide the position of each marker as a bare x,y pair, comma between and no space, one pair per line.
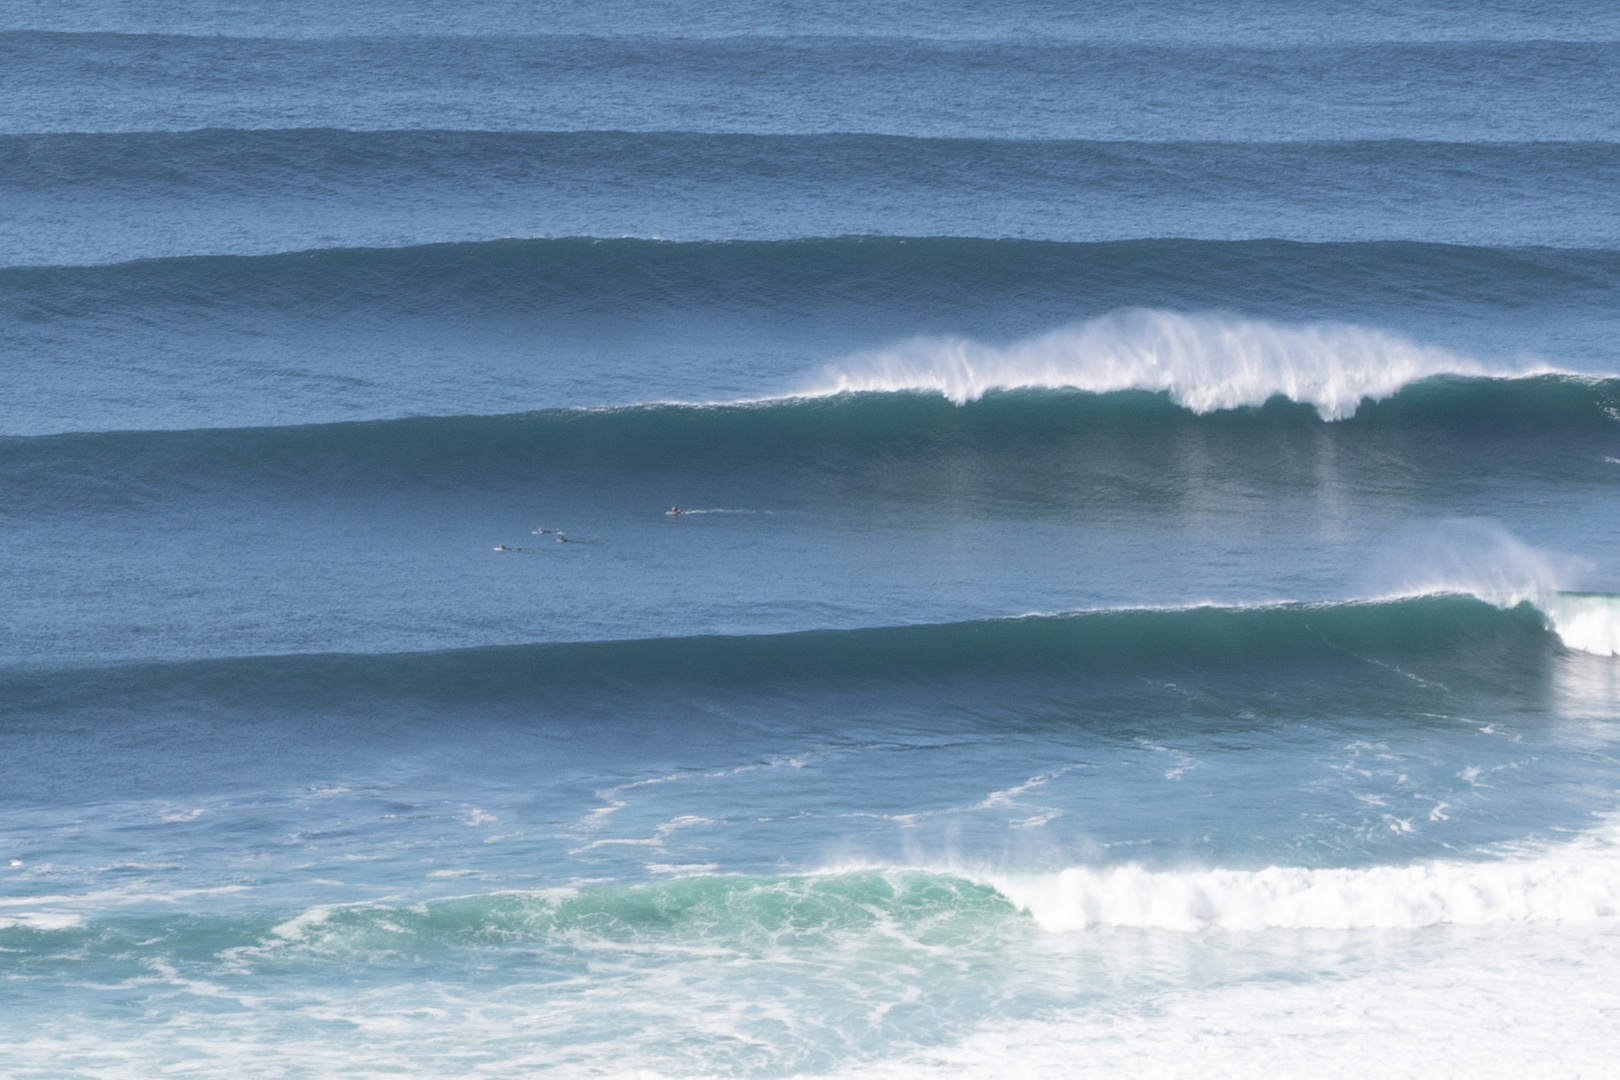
1205,362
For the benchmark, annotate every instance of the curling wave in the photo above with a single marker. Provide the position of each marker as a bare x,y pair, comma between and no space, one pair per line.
1586,622
1204,362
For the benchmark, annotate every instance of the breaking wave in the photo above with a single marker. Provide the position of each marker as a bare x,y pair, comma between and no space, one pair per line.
1561,423
1586,622
1578,884
1204,362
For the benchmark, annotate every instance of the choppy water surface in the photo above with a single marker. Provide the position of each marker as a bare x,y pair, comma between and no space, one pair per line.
1143,600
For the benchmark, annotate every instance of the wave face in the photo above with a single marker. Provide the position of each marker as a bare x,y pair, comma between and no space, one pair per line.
893,412
1094,642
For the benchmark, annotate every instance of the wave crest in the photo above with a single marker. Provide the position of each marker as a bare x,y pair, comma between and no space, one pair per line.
1205,362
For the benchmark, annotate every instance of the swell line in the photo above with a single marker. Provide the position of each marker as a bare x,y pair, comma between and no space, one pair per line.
92,198
585,273
914,416
1454,628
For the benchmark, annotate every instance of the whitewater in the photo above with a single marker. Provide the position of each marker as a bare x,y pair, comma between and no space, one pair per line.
1203,363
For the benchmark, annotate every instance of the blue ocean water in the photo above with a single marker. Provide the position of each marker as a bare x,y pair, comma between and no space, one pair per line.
718,540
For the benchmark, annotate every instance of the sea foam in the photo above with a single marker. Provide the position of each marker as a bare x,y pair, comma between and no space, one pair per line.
1205,362
1574,882
1483,1005
1588,622
1578,882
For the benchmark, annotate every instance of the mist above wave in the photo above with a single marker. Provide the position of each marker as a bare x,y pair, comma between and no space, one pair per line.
1206,362
1483,560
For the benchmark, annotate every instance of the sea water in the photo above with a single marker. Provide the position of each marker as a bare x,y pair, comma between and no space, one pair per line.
1145,599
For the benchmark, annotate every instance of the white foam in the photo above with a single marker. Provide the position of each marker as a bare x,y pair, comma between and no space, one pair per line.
1588,622
1579,883
892,996
63,911
1498,1006
1204,362
40,920
298,927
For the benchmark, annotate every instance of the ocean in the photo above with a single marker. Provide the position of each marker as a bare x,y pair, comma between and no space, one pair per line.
939,539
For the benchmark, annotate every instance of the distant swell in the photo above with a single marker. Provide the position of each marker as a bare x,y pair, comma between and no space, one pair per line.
1204,362
86,198
928,276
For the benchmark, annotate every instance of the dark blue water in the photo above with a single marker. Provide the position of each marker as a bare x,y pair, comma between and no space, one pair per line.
707,540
